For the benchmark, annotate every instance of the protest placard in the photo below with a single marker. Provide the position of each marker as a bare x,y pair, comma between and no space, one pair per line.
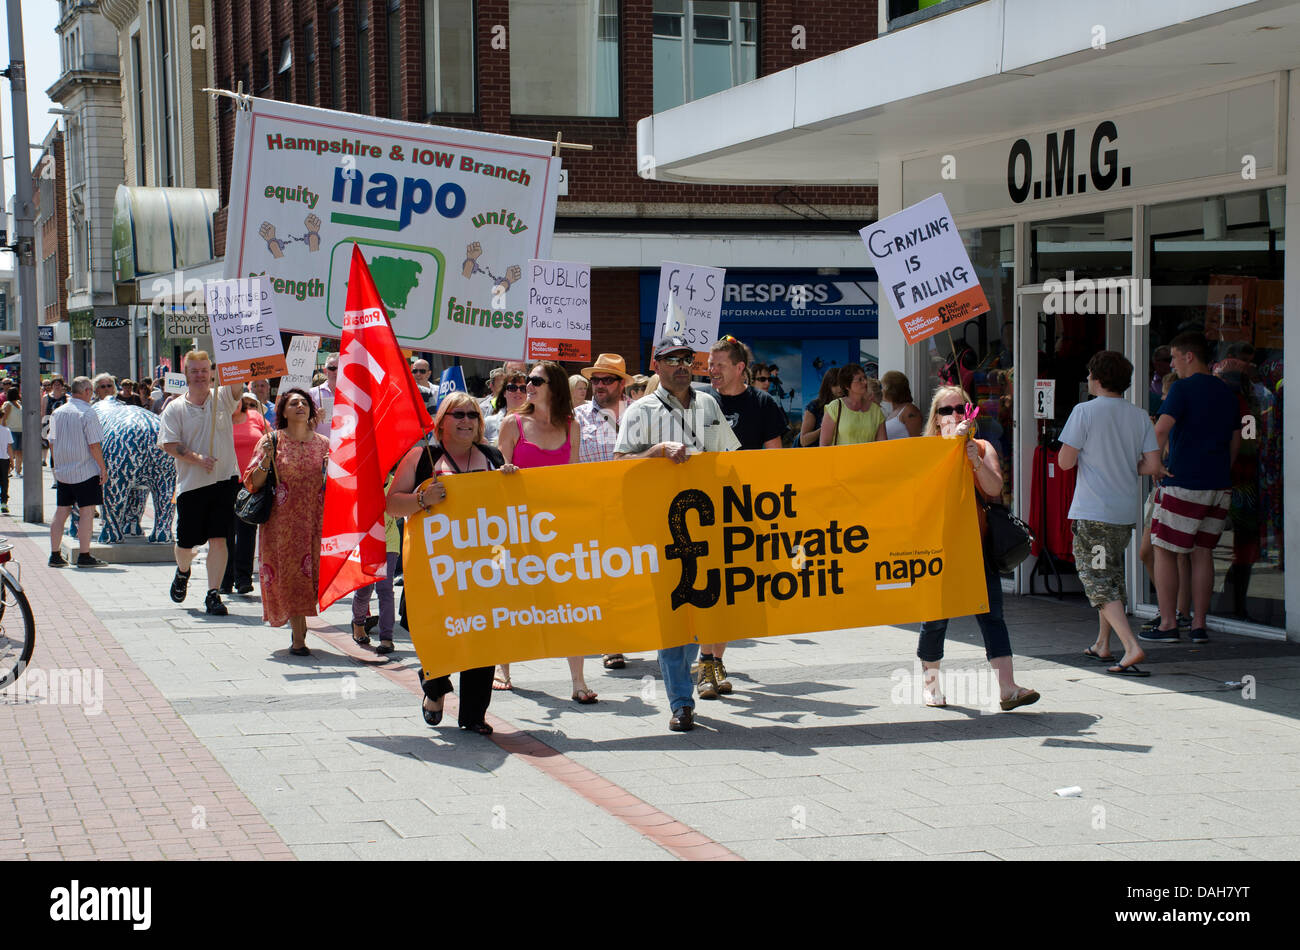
690,303
300,361
558,312
924,270
174,383
699,556
445,218
245,334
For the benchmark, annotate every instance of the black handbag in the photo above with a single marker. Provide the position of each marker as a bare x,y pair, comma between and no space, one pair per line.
255,507
1009,538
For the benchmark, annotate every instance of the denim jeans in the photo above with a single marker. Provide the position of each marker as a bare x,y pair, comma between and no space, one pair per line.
997,641
675,665
383,588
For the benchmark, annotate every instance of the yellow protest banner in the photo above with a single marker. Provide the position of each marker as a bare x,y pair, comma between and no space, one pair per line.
629,556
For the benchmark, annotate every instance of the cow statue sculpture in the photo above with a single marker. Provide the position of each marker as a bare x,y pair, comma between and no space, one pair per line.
137,468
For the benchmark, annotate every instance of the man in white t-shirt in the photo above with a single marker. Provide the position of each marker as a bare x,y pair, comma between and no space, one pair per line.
323,395
1113,442
196,430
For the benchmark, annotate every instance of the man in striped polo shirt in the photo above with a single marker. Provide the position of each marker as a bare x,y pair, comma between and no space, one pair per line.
79,471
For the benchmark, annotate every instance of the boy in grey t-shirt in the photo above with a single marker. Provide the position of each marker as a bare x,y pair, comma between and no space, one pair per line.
1111,441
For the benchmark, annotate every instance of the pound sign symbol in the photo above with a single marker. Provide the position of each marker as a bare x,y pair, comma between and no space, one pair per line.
688,551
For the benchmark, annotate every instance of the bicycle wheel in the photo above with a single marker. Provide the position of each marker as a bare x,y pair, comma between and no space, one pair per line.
17,632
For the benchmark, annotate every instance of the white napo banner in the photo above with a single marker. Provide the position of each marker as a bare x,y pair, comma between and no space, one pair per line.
447,220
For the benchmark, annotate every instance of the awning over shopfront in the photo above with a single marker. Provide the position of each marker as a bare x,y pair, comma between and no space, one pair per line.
978,73
161,230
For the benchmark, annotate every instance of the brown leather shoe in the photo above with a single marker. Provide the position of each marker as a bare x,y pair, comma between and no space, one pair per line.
683,720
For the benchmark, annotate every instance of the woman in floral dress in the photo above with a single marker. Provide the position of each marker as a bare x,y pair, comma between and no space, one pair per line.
290,538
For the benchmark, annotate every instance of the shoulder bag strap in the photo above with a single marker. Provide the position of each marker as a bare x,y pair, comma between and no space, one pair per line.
212,435
686,427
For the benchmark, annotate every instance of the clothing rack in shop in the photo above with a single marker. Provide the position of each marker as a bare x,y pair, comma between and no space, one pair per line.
1047,564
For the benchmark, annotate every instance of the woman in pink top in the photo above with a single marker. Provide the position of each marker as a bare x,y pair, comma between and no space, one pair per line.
249,426
543,433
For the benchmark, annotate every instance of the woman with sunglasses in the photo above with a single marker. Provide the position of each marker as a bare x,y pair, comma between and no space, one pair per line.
460,449
545,433
854,418
513,396
948,419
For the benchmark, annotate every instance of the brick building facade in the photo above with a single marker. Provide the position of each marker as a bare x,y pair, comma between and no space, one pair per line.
310,50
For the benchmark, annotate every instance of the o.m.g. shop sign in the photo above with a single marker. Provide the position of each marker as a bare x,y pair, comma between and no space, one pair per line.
1225,133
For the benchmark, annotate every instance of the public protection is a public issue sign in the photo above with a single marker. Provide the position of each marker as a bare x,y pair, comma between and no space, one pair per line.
446,219
629,556
924,270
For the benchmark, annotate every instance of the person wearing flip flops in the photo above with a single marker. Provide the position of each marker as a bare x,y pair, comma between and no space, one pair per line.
953,417
1113,442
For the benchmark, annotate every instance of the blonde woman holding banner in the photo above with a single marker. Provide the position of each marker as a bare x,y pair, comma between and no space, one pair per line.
416,488
949,418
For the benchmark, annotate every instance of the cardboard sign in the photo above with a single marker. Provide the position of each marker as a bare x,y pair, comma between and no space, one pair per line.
446,219
300,362
245,334
1044,399
559,310
544,562
690,303
175,383
924,270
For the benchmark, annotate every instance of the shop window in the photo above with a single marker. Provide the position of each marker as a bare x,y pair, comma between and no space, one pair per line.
701,48
448,56
393,27
336,60
284,72
309,43
363,54
1090,245
564,57
979,354
1217,268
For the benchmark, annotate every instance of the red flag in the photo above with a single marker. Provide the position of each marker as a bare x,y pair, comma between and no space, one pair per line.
378,415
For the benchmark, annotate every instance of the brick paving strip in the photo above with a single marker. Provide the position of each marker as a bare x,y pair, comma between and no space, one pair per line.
676,838
130,782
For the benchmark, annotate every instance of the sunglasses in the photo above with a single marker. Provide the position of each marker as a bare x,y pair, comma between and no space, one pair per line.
420,372
947,410
728,338
605,380
538,381
677,360
515,387
760,379
463,414
331,369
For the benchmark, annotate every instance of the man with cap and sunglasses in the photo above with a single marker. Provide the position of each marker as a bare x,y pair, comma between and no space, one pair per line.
675,422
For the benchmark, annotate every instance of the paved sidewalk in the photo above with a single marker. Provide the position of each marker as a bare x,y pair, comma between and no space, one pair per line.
820,753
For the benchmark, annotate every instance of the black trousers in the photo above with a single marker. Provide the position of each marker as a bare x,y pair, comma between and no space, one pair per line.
475,692
241,544
4,481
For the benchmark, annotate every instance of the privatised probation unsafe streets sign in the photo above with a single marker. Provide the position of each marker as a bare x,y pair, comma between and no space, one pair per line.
924,270
636,556
445,218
